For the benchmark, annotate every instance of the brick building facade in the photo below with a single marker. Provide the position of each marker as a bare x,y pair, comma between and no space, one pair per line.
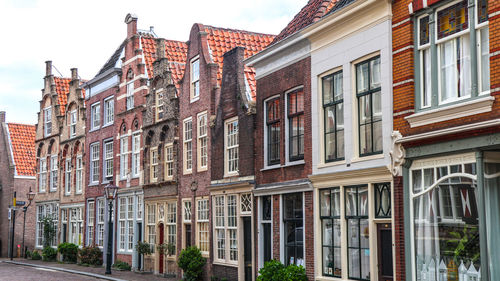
446,80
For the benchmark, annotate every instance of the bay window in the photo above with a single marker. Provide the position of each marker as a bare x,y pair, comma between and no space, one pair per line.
333,110
368,92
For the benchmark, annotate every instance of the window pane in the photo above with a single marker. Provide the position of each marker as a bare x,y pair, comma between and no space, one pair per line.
362,77
364,233
363,201
336,233
325,202
354,269
482,10
353,233
463,44
448,70
453,19
327,225
375,73
426,66
327,82
485,59
424,30
338,87
335,202
351,204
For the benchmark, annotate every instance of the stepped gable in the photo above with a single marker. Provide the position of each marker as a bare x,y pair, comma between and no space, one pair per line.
22,141
222,40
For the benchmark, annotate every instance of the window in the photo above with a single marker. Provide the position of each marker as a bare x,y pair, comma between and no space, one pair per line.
126,223
195,79
48,210
123,157
94,162
333,110
108,160
42,177
79,175
273,117
47,121
67,176
202,141
75,225
53,173
202,229
293,224
169,162
226,226
151,224
358,235
296,125
109,111
72,125
266,228
172,224
188,145
100,222
130,95
154,164
231,147
136,157
453,58
139,207
95,116
330,230
368,92
246,203
90,223
187,211
159,104
382,200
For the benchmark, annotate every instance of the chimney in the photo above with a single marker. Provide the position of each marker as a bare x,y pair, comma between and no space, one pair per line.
2,116
48,68
74,74
160,49
131,21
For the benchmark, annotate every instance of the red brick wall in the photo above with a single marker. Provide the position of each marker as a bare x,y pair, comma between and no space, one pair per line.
399,229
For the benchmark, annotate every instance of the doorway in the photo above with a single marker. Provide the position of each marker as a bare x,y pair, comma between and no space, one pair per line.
188,235
160,241
247,248
384,243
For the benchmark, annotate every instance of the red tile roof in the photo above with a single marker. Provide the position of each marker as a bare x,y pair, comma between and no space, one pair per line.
22,139
62,90
175,52
310,13
222,40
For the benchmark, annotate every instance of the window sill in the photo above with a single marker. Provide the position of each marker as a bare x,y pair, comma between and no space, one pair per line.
289,164
194,99
468,108
189,172
331,164
93,184
94,129
107,125
223,263
367,158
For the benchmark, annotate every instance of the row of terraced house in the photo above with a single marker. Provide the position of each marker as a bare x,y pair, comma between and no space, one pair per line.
362,142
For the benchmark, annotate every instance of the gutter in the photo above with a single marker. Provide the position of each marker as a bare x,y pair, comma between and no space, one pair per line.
306,32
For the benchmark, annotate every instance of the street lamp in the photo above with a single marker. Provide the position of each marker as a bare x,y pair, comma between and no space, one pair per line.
110,193
30,195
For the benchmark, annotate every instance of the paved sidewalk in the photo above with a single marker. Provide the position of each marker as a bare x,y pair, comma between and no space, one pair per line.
90,271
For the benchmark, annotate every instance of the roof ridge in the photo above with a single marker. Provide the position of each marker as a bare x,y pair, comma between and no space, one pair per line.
20,124
237,30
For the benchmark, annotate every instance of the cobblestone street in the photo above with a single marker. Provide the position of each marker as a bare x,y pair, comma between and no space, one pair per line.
19,272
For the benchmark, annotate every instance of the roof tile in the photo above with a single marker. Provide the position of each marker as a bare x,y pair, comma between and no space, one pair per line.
22,138
62,90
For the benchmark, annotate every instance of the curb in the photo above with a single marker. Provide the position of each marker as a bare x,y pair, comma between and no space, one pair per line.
66,270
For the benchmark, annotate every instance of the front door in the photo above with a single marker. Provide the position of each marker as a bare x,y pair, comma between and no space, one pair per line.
385,268
160,241
247,247
188,235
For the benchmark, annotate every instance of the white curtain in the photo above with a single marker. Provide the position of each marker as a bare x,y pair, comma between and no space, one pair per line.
465,67
449,75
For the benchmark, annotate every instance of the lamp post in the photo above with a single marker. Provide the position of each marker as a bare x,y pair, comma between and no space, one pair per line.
110,193
30,195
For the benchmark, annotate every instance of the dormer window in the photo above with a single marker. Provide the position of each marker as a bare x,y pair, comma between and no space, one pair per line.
195,79
47,121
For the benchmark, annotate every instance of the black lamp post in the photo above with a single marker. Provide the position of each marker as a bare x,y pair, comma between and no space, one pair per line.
30,195
110,193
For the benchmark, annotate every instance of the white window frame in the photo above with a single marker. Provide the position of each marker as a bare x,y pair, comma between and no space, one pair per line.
125,227
285,118
101,218
42,175
202,146
109,111
90,222
228,148
187,137
95,116
261,230
202,220
159,112
171,225
67,176
124,157
72,126
136,154
47,121
53,173
151,223
266,137
169,162
75,225
79,174
108,169
153,164
194,78
225,228
94,162
130,95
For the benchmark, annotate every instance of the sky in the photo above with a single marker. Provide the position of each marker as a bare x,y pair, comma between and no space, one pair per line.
84,34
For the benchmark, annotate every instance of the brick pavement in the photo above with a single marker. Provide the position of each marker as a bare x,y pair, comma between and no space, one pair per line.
124,275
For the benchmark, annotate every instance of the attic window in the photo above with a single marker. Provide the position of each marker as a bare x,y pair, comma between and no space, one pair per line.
248,90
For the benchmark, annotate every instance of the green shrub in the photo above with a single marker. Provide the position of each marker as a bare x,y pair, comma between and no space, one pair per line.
144,248
191,262
27,254
90,255
69,251
49,254
35,255
275,271
121,265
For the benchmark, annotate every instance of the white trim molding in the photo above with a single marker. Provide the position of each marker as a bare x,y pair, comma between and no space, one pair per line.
473,107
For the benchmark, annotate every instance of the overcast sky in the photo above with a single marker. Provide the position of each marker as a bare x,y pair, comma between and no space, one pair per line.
84,34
